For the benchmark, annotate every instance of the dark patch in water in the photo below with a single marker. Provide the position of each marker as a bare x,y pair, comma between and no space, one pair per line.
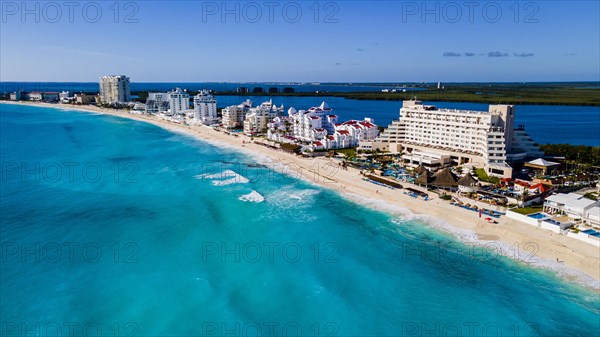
107,213
69,130
256,165
122,159
253,165
213,211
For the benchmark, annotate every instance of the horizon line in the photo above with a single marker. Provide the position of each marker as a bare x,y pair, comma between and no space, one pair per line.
321,82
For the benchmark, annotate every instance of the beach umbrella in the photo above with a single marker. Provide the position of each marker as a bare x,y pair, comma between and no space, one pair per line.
488,219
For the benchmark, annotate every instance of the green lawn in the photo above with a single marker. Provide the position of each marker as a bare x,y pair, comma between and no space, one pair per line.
348,152
482,175
529,210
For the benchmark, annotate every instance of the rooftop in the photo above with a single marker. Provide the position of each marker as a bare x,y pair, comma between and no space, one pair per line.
571,199
542,162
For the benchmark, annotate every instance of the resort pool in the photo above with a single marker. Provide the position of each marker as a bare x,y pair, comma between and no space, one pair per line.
591,232
395,173
539,215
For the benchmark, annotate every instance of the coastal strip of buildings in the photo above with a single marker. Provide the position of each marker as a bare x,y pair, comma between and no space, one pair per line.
114,90
424,135
175,106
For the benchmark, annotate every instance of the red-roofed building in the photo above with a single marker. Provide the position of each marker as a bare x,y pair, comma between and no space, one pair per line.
318,126
364,130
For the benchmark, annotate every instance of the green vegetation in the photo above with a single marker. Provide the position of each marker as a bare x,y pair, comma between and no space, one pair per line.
529,210
446,197
143,95
591,196
489,93
482,175
587,155
349,153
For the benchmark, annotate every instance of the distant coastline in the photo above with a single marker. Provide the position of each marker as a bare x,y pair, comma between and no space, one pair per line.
517,93
458,98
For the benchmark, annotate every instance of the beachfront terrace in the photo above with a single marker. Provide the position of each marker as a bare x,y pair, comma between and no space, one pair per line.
575,206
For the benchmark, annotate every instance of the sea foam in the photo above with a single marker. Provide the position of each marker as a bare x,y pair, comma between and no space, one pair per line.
252,197
219,179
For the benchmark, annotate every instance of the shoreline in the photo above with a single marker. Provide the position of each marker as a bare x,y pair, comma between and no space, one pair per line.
579,261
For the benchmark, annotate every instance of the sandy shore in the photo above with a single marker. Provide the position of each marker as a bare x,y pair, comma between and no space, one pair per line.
566,256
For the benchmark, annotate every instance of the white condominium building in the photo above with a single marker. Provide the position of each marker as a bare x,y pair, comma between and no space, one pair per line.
179,102
485,138
43,96
157,102
257,118
15,96
312,124
233,116
349,134
319,128
114,89
65,96
176,102
365,130
205,108
304,125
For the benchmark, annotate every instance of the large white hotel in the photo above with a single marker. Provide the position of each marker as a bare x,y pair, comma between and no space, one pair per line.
435,137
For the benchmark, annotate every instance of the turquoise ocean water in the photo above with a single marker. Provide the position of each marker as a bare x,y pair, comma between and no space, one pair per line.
115,227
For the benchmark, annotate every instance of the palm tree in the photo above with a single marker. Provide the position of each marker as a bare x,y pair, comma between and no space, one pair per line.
523,196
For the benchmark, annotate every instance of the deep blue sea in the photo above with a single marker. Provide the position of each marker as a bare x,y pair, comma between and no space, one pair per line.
115,227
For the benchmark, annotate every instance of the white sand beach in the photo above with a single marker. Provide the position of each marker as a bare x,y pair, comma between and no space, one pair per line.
566,256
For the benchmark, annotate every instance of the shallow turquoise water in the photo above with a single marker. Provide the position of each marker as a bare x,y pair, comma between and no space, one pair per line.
128,228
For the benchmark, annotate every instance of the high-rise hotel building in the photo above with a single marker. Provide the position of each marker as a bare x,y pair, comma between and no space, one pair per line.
179,101
205,108
114,89
435,137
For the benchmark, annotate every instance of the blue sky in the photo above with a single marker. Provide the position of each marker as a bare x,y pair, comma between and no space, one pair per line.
345,41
